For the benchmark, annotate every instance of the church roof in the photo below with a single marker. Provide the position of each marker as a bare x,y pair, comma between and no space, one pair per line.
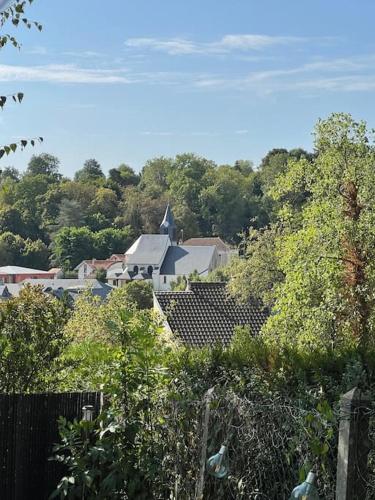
149,249
183,260
205,314
216,241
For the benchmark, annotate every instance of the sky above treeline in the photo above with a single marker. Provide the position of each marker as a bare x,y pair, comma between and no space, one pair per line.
125,81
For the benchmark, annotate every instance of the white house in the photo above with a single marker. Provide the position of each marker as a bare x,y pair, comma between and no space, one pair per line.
88,268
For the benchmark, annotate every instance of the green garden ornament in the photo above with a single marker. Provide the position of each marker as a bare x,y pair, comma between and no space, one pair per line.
306,490
217,465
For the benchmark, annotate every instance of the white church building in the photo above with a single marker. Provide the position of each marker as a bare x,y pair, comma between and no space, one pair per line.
159,258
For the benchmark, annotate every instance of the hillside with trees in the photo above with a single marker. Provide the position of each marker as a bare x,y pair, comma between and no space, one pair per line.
47,219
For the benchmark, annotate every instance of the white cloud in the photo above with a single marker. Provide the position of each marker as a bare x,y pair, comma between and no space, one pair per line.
60,73
346,75
172,46
159,134
85,54
229,43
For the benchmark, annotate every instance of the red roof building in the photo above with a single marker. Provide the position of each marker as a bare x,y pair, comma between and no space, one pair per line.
16,274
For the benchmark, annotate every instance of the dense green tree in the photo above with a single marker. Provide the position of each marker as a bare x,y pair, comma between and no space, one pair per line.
154,176
91,172
14,250
9,173
73,245
11,221
81,192
275,163
31,340
326,299
138,294
11,247
244,166
256,272
44,164
35,255
228,203
110,241
70,214
123,176
105,203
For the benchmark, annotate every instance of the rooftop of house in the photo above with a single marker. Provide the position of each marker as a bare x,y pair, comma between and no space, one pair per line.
183,260
9,270
216,241
117,257
148,249
72,286
205,314
96,263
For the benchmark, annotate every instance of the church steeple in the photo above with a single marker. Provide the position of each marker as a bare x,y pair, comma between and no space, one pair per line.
168,225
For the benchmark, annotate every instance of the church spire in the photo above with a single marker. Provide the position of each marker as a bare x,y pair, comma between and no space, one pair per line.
168,225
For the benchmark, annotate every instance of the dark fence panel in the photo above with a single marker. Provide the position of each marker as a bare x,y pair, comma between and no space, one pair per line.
28,431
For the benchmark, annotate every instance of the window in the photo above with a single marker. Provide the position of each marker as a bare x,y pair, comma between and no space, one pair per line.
136,269
150,270
164,280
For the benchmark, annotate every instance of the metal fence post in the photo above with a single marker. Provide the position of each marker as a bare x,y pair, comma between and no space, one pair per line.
353,446
200,485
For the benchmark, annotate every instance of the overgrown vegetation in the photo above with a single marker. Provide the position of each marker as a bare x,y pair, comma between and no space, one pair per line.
313,266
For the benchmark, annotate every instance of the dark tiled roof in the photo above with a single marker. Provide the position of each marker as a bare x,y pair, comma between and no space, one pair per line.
205,314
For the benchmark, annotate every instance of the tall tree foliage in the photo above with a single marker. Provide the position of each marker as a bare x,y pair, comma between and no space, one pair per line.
326,299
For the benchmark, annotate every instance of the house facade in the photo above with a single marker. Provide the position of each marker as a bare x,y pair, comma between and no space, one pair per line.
16,274
88,268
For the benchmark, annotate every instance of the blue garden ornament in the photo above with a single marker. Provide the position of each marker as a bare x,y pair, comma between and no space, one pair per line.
307,490
4,4
217,465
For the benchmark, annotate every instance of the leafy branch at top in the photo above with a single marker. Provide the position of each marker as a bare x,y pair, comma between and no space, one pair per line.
16,15
11,148
17,98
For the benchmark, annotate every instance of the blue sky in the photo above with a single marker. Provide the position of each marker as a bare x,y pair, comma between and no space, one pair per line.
226,79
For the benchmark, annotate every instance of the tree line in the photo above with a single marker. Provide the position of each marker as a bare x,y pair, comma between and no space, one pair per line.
47,219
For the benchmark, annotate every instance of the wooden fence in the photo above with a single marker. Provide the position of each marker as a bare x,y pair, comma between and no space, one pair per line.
28,431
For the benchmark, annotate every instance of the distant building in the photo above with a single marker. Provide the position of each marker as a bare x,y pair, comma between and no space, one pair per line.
223,250
71,288
204,314
16,274
88,268
158,258
182,260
